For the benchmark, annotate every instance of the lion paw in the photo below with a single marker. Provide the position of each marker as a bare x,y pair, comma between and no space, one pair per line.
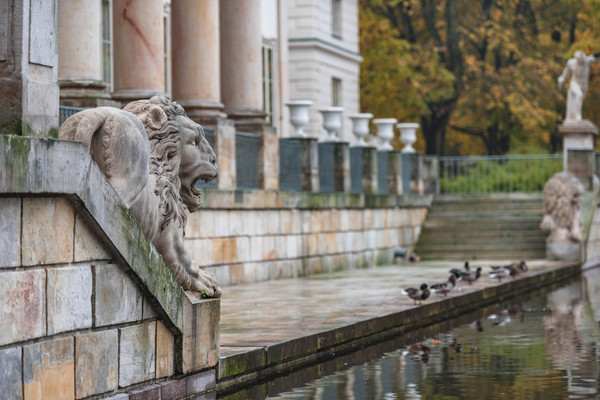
206,284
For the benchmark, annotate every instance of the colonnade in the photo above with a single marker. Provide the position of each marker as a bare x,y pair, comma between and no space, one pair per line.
215,56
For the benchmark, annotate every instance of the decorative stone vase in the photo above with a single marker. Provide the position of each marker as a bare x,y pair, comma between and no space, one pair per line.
332,122
408,135
360,127
385,131
299,115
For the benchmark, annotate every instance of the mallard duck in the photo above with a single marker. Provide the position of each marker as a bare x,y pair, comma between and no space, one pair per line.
444,287
417,351
500,273
500,319
417,294
458,272
517,268
471,276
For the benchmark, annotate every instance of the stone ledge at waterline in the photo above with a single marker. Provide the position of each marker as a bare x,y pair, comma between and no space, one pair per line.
34,167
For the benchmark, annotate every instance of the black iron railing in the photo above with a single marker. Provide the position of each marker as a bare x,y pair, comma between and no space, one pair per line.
326,167
382,172
290,167
246,160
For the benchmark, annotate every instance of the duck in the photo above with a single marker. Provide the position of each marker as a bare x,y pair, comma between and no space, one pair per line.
518,268
500,273
500,319
471,276
419,294
418,352
444,287
458,272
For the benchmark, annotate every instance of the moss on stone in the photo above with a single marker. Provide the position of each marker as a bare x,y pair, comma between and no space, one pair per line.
10,125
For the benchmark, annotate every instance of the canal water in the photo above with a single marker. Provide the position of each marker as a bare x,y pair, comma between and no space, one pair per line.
540,346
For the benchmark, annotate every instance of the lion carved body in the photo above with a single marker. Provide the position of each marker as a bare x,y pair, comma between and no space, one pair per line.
153,155
562,203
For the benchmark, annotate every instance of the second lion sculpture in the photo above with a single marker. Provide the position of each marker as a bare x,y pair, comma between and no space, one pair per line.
153,155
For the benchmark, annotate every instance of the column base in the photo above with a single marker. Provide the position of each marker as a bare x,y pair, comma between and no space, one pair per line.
204,112
251,121
83,94
128,95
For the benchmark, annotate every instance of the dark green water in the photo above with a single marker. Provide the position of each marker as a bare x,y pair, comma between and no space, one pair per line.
544,346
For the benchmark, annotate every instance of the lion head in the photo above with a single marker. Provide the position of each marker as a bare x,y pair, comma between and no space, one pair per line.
180,155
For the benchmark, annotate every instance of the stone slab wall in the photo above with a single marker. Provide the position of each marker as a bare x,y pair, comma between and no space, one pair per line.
74,322
592,251
250,245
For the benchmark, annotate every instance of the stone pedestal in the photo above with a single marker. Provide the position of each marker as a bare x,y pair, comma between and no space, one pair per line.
341,167
578,150
80,53
139,49
369,169
309,159
395,172
268,160
29,68
196,59
241,64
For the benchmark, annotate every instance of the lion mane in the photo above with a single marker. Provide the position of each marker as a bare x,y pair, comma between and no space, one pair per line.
153,155
562,202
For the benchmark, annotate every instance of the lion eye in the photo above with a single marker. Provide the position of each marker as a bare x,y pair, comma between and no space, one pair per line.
193,142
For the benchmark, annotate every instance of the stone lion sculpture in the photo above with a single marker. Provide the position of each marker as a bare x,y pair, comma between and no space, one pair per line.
562,216
153,155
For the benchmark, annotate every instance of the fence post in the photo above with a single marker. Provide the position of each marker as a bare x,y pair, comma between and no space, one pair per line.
268,159
395,172
224,147
309,163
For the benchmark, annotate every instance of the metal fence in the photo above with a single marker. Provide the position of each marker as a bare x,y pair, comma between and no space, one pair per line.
356,170
290,167
65,112
209,134
497,174
382,172
326,166
246,160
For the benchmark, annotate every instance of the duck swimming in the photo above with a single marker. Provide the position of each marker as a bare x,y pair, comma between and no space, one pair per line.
417,294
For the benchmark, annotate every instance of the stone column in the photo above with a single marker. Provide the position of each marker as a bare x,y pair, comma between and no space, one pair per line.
196,59
139,49
341,167
80,53
268,160
29,67
241,64
309,158
395,172
369,169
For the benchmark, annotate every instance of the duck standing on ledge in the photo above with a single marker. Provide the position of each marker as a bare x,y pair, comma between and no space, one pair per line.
471,276
417,294
500,273
444,287
458,272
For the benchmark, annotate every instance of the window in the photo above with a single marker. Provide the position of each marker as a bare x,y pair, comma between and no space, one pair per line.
107,45
267,82
336,18
336,92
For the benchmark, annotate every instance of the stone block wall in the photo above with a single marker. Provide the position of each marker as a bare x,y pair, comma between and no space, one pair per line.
75,324
243,245
592,245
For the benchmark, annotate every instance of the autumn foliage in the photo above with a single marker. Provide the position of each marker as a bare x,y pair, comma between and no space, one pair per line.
478,75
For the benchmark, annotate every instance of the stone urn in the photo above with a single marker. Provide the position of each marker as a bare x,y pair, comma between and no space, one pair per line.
385,131
360,127
299,115
408,135
332,122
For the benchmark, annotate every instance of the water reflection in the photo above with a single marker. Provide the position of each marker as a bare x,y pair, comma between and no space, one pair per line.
544,346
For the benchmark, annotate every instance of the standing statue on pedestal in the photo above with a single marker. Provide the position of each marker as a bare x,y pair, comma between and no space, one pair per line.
579,68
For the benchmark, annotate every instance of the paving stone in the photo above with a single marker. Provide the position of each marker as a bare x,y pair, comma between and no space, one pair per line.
173,389
69,298
88,247
137,353
120,396
201,381
165,351
49,370
11,381
10,232
23,305
47,231
151,392
118,299
96,362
